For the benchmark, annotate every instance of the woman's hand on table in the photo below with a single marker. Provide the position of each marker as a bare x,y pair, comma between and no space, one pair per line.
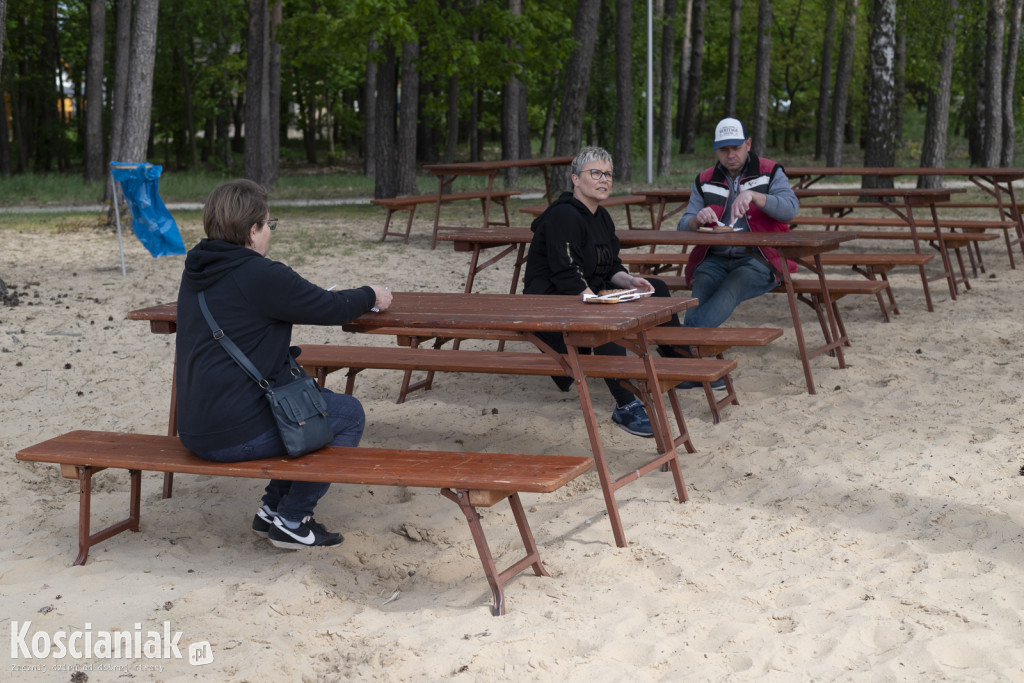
383,297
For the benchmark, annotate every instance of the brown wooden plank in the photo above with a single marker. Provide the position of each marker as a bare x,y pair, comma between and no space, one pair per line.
370,466
676,370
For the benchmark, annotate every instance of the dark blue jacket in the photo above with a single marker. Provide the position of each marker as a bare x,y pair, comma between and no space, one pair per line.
255,300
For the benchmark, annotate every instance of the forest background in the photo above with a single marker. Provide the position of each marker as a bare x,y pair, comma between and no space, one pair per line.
277,89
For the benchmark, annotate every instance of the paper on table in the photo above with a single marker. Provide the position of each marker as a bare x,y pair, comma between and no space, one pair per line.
615,297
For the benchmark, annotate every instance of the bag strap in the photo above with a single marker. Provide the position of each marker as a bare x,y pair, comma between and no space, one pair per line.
233,350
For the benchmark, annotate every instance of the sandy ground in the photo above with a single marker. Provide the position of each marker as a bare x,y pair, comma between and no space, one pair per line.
872,531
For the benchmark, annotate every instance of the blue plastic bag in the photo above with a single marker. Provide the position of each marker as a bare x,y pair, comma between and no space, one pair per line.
152,223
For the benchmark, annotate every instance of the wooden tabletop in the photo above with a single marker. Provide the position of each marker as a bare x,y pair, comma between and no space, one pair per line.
507,312
484,167
819,240
520,313
1002,174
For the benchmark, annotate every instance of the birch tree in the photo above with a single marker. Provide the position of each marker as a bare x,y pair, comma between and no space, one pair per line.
880,149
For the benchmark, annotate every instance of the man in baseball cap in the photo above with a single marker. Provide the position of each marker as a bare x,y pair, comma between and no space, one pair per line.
747,193
729,132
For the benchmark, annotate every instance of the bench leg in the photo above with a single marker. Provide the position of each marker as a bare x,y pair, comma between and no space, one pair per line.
496,579
86,539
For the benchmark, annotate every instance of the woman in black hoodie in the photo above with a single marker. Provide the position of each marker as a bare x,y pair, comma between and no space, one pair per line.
222,414
574,251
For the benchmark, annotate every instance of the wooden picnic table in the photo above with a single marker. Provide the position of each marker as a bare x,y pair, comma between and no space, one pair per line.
901,203
995,182
447,173
801,244
581,325
663,199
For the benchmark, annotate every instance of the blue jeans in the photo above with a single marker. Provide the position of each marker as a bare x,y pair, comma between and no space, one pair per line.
720,283
294,500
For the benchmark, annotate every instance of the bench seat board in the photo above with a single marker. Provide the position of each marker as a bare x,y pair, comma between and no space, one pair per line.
320,360
468,479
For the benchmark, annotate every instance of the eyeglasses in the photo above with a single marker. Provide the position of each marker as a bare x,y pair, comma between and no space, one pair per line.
598,175
271,223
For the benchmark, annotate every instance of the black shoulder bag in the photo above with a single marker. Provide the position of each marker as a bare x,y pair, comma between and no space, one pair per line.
299,409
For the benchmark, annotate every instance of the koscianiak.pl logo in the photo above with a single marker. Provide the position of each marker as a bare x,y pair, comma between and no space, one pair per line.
34,649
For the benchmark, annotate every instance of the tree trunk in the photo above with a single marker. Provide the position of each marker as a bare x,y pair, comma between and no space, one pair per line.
936,127
569,132
824,82
385,182
993,76
453,119
762,78
273,155
122,53
688,133
1006,157
880,149
684,70
732,70
844,71
369,110
623,145
668,39
135,139
548,135
94,170
5,151
900,95
257,96
186,101
511,95
407,119
3,29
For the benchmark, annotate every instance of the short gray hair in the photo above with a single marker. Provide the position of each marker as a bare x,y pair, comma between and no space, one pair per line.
588,154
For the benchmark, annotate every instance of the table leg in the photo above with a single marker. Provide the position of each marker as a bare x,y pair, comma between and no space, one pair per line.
596,447
437,208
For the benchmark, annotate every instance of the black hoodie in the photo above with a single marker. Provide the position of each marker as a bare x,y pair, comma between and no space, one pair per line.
572,249
255,300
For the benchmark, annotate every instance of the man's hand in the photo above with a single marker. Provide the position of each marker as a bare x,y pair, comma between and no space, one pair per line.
743,202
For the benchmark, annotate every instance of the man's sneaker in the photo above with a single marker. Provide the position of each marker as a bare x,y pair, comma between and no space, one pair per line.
263,520
633,418
308,534
717,385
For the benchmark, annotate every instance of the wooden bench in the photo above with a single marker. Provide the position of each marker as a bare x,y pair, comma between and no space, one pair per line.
809,291
320,360
971,232
470,480
654,263
410,202
626,200
705,341
871,264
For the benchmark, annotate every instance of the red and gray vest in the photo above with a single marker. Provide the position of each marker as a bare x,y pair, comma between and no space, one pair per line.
714,186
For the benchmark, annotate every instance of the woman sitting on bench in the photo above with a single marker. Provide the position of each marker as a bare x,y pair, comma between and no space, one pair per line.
575,251
222,413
